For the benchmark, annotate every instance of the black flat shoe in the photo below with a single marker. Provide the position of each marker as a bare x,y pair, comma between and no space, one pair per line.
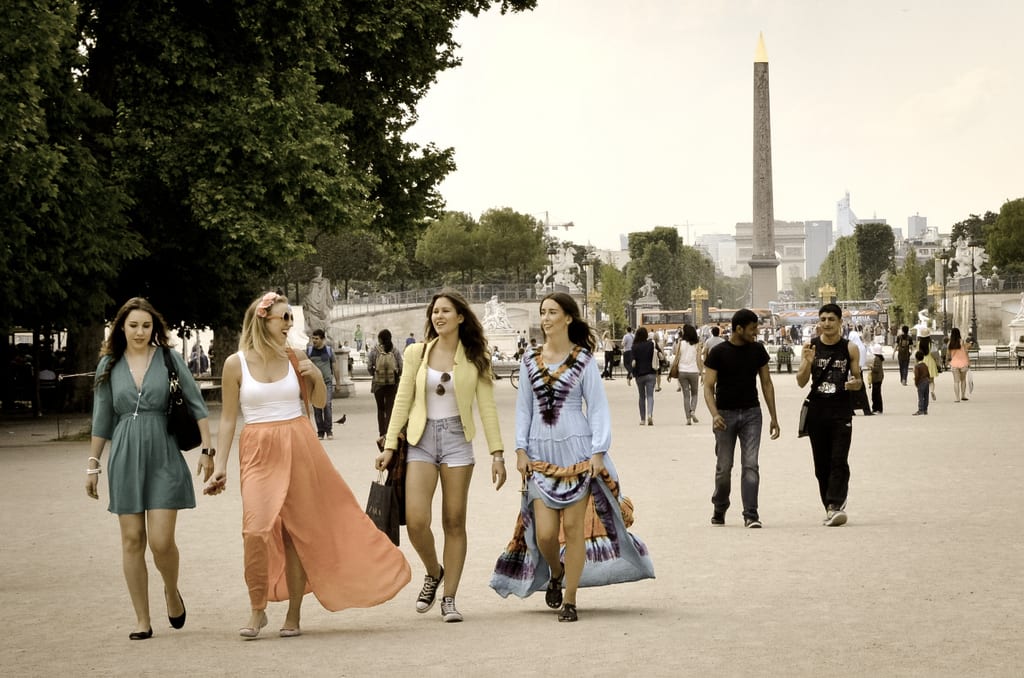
141,635
179,621
568,613
553,596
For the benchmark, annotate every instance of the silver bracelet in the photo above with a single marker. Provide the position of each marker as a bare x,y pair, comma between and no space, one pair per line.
93,471
497,457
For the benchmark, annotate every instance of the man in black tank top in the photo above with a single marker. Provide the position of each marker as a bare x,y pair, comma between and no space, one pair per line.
832,365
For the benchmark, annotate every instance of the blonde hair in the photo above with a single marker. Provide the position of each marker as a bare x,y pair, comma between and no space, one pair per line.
255,336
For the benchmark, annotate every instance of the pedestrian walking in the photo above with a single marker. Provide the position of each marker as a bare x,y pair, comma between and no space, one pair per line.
731,372
385,367
149,481
302,528
645,374
832,365
689,367
922,380
571,487
627,354
903,350
876,375
608,344
443,377
322,356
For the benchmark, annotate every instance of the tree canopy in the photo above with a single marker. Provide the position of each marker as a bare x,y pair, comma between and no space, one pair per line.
1006,238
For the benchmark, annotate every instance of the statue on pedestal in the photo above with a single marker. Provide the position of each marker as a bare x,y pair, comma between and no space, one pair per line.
496,315
319,302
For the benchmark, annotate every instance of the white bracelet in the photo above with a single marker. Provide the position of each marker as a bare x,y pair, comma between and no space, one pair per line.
93,471
497,457
94,459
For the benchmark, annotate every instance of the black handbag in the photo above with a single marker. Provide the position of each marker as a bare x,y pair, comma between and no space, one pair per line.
180,422
382,507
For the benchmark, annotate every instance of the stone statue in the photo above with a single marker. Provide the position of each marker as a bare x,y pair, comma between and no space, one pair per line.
647,289
922,327
319,302
496,315
564,269
1020,311
882,285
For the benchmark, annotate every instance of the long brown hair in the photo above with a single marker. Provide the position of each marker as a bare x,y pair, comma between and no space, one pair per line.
471,332
116,343
580,332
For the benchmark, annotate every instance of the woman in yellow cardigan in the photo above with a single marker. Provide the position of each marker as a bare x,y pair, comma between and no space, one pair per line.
441,379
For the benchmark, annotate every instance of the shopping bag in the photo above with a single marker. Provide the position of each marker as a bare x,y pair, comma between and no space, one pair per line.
382,507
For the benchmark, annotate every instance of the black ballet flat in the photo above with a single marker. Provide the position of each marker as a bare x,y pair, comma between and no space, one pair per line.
141,635
179,621
553,596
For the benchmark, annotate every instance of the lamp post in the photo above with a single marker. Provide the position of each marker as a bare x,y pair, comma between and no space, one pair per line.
698,297
827,294
934,289
974,314
551,252
945,307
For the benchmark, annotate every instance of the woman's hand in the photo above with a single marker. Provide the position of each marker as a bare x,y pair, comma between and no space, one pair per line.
307,368
216,484
596,465
498,474
522,463
205,466
91,483
383,459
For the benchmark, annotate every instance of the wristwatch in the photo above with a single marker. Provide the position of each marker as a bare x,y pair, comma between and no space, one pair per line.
208,451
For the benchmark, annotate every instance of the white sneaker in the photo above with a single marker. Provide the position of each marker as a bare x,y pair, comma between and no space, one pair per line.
835,518
448,611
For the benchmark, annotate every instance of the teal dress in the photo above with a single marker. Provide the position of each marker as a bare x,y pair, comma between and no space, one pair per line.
145,468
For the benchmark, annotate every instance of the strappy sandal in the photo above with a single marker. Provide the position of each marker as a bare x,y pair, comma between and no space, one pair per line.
553,596
568,613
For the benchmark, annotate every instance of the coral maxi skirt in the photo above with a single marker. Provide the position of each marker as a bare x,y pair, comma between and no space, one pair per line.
289,484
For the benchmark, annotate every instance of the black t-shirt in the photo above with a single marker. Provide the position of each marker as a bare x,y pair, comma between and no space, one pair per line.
737,368
643,356
830,395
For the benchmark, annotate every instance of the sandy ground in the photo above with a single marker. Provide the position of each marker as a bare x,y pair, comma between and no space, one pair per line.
923,581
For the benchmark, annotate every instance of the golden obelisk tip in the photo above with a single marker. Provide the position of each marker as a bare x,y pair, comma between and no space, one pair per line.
760,54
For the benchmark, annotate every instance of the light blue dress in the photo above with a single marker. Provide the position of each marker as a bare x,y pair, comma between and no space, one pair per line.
562,420
145,468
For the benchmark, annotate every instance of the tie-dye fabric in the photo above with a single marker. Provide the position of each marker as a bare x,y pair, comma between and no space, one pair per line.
613,555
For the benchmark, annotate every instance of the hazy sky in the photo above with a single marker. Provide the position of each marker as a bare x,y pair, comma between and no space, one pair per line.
624,115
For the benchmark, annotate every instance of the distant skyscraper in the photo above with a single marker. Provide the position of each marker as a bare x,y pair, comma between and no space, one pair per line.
819,242
916,226
846,220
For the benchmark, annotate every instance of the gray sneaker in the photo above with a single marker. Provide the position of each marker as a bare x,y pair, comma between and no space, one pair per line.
448,611
835,518
428,594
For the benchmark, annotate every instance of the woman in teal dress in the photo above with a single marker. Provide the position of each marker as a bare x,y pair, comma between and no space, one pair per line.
571,485
148,477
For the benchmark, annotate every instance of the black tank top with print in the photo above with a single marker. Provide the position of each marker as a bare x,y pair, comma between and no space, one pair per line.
830,393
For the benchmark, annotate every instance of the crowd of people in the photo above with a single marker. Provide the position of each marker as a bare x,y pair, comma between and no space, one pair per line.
303,529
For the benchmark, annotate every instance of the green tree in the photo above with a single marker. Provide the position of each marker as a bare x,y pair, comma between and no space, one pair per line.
841,269
449,245
677,268
513,243
876,247
909,290
612,297
1006,238
973,229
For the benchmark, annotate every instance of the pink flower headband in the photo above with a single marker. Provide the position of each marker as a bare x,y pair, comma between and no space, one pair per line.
266,302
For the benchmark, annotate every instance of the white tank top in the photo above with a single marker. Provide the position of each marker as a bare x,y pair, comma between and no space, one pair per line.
440,406
264,402
687,356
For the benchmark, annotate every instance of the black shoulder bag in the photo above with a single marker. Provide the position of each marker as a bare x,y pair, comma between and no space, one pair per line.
180,422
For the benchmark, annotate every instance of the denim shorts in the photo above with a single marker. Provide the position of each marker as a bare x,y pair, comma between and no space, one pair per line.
443,442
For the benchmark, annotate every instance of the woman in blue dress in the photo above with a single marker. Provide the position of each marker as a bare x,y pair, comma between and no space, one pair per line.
570,483
149,480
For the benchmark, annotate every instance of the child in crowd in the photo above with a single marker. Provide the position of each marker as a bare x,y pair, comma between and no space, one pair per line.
922,380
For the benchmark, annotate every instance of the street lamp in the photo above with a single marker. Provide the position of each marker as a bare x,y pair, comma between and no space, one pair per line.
698,297
945,308
974,314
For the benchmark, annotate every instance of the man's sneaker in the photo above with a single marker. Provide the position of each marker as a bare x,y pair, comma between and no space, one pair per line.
717,518
448,611
752,523
428,594
835,517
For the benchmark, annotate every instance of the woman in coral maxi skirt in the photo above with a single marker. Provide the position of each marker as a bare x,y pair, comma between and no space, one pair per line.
302,529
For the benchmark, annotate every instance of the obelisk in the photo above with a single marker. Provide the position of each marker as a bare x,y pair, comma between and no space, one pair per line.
763,262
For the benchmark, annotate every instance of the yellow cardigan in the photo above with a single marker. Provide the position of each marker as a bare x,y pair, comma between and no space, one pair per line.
411,398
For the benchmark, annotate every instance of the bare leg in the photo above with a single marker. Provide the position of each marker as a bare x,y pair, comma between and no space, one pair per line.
420,484
454,497
546,522
295,576
133,562
575,549
161,525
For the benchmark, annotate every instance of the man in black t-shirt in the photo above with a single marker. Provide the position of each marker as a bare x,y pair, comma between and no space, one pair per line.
730,391
832,365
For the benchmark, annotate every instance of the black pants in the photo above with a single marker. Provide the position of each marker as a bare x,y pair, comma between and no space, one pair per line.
609,358
830,446
385,397
876,397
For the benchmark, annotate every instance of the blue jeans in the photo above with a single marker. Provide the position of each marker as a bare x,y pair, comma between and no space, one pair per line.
645,387
745,425
324,415
922,396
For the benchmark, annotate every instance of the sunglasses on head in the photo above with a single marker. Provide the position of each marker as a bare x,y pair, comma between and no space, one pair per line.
445,378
